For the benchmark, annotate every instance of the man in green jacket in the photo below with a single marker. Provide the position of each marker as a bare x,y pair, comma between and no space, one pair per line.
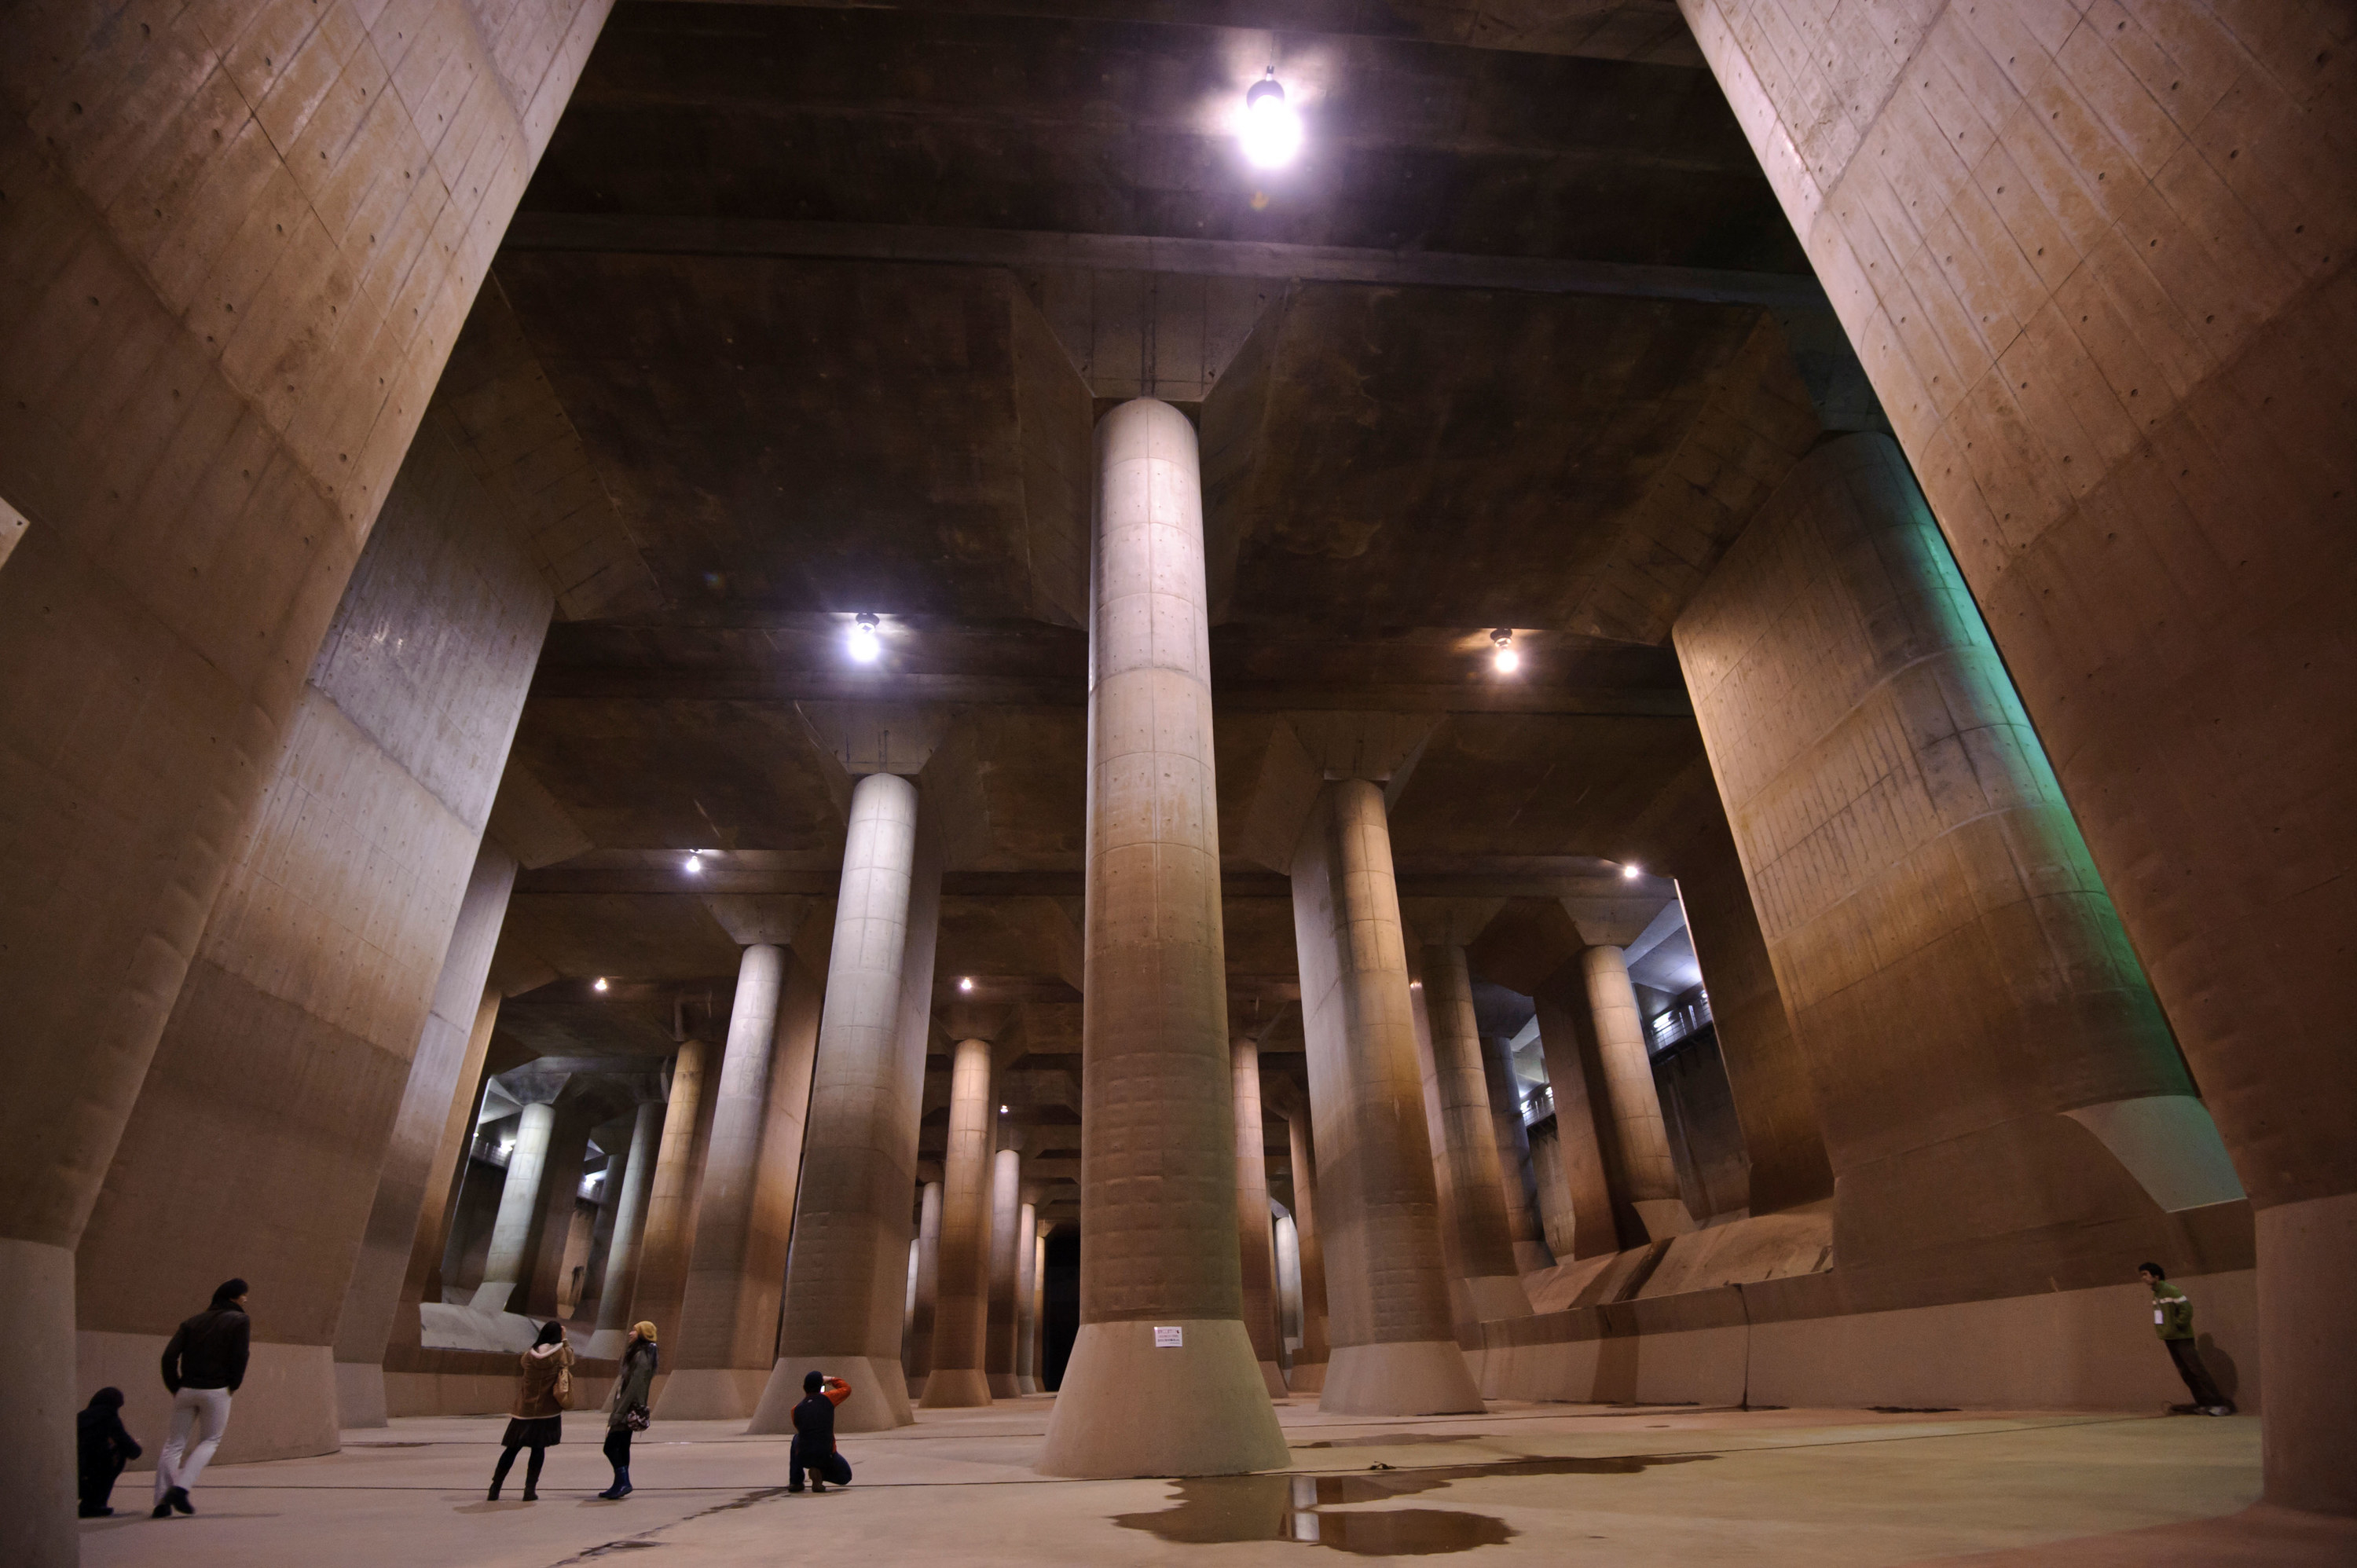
2173,1319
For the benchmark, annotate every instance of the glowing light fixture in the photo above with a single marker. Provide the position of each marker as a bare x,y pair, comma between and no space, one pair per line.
1505,659
965,982
1271,131
600,985
694,866
865,644
1002,1111
1631,872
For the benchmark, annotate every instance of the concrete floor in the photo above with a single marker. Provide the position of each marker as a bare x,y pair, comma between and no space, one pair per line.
1563,1484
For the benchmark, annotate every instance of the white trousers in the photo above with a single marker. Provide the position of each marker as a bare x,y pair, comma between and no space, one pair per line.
206,1410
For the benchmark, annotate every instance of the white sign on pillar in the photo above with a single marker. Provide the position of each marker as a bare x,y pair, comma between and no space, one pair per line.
1169,1338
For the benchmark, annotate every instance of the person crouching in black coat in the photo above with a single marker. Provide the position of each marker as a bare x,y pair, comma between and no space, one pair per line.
104,1449
813,1443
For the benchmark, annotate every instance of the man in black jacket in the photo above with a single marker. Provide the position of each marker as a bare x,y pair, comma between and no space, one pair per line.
103,1449
203,1365
813,1443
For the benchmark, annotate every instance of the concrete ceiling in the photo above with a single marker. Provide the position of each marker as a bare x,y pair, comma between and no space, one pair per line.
827,298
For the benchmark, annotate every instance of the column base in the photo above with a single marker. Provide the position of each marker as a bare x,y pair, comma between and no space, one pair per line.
37,1463
1307,1378
1420,1377
1003,1386
2308,1276
1025,1385
711,1393
1128,1407
1495,1296
956,1388
359,1394
878,1402
1273,1376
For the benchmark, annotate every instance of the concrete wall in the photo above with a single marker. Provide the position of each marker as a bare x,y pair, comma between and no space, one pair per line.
237,247
2083,1349
258,1138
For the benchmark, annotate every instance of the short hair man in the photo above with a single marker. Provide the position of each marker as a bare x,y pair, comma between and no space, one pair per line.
203,1365
813,1443
2173,1319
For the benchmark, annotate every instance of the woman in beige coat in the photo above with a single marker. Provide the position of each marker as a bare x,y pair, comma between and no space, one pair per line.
537,1421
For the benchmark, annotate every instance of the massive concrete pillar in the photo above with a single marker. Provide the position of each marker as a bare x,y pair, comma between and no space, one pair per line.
1485,1240
1027,1236
1161,1330
510,1262
2131,407
721,1355
413,1156
670,1229
916,1359
540,1293
617,1297
848,1274
1288,1236
2004,1109
1512,1135
1005,1236
1395,1350
191,527
962,1307
1587,1180
1252,1255
1308,1372
1640,1146
319,964
1040,1311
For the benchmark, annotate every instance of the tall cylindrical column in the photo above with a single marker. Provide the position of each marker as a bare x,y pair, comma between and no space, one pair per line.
614,1300
1288,1280
1006,1227
1513,1142
849,1269
1039,1310
1027,1223
1649,1172
1161,1327
919,1356
726,1340
1485,1242
542,1292
1394,1347
1308,1373
670,1228
1252,1238
961,1309
504,1269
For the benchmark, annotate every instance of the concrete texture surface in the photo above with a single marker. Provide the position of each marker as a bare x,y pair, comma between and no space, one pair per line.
1634,1483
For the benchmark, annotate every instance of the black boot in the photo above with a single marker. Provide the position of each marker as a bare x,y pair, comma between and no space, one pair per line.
178,1497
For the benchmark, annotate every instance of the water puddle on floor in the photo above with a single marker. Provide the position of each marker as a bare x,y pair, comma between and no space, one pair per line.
1216,1510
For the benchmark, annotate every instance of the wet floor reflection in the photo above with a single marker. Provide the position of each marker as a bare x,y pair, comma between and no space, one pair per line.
1215,1510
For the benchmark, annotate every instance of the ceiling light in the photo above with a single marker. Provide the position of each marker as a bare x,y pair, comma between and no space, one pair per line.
865,644
600,984
1002,1111
694,866
1631,873
1506,659
1271,131
965,982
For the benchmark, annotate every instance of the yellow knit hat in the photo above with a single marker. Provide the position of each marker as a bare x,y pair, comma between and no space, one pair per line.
645,1331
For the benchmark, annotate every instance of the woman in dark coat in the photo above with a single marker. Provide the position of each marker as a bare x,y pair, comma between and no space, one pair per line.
537,1421
104,1447
626,1412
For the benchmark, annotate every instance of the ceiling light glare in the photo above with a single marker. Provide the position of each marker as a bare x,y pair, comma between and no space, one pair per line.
600,985
1271,131
1002,1111
865,644
1505,659
1631,873
694,866
965,982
